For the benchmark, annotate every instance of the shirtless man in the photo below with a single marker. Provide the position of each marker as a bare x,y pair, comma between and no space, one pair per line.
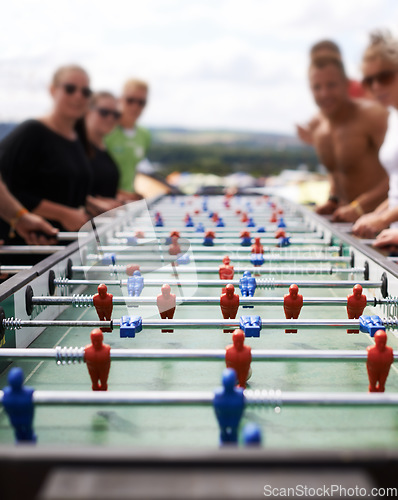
347,135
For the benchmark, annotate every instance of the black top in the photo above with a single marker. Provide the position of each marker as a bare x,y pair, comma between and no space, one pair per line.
105,174
37,163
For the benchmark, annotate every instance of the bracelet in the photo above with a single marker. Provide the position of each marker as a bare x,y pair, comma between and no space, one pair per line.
14,221
357,207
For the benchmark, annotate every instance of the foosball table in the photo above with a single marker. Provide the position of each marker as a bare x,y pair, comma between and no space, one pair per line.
122,334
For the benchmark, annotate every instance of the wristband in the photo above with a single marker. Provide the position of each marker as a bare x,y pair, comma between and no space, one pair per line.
14,221
357,207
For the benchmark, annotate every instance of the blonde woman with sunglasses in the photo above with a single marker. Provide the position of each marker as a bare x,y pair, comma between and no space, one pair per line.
128,143
43,162
380,79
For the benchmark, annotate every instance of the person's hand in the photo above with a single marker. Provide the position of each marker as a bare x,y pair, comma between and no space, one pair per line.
97,205
73,219
346,213
327,208
304,134
35,230
125,197
387,238
369,225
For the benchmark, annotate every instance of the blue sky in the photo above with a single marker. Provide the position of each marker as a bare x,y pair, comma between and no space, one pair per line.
211,64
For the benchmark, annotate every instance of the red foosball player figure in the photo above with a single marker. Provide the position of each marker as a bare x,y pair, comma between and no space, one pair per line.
292,304
274,217
244,217
226,271
166,302
229,302
175,233
239,356
280,233
174,248
257,246
380,358
97,356
356,303
103,303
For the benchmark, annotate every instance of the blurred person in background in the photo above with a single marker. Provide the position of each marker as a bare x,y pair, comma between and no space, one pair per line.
128,143
43,162
328,48
100,120
380,77
347,137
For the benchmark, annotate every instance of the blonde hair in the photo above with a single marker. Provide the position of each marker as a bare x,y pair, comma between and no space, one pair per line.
135,82
381,45
63,69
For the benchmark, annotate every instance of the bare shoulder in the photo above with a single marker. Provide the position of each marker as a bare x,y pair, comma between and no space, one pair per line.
371,109
373,118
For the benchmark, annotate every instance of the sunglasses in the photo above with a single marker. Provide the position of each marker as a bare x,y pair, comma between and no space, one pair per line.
71,88
383,78
135,100
104,112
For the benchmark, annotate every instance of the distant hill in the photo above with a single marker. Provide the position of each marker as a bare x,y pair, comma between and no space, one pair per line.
233,138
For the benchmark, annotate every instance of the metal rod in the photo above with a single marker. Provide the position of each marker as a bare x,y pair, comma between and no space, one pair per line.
260,398
234,246
30,249
261,282
168,259
187,324
71,355
13,269
185,269
197,301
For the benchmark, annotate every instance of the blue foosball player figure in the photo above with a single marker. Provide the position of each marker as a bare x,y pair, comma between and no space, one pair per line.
229,405
246,240
281,223
200,228
252,435
189,222
283,242
251,325
108,259
18,404
251,223
130,325
247,284
135,284
370,324
208,240
220,222
257,259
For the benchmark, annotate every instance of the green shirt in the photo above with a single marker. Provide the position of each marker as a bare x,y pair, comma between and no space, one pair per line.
127,151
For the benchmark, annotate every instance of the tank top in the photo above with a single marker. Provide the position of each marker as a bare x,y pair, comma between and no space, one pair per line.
388,156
